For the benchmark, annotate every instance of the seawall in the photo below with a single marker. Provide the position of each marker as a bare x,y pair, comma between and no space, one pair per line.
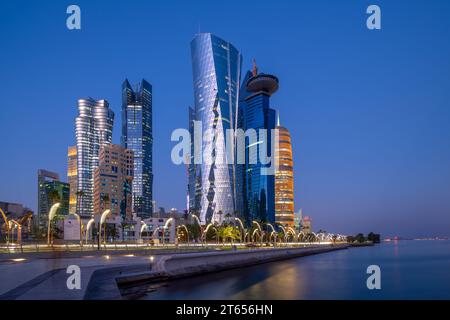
170,267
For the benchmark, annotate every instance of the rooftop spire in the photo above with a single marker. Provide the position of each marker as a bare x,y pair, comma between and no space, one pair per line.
278,118
255,68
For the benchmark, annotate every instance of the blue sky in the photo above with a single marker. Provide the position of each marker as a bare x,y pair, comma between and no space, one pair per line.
369,111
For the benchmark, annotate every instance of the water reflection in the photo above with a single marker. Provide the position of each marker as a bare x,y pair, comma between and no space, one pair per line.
335,275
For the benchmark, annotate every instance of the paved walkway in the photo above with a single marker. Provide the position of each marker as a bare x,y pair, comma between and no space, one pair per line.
46,278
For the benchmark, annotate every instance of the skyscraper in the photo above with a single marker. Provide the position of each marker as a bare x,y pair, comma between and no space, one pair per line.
216,66
137,135
44,176
93,129
284,179
51,191
256,117
72,177
113,180
194,179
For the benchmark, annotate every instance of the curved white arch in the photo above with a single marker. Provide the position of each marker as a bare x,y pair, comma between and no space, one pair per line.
197,220
104,216
166,225
271,226
142,228
51,215
257,223
53,210
88,227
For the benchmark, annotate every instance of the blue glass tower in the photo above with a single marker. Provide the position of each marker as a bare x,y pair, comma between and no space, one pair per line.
255,113
216,66
137,135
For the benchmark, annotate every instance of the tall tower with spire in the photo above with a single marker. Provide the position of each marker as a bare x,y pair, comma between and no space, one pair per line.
284,178
257,188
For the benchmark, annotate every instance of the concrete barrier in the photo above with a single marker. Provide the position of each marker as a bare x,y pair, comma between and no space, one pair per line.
190,264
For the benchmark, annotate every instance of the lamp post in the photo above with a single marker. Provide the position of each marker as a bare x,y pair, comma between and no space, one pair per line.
166,226
273,231
187,232
144,226
51,215
242,227
81,228
102,221
88,227
205,232
260,230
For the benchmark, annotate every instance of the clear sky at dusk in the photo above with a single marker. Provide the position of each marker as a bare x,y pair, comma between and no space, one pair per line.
368,111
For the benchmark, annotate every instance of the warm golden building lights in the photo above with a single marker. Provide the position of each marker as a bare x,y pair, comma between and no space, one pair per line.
284,179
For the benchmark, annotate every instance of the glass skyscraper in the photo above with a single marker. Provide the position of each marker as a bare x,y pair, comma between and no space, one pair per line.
216,66
194,180
45,179
93,129
257,187
137,135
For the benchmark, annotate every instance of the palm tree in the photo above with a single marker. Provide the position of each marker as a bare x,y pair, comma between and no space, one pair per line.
227,232
53,197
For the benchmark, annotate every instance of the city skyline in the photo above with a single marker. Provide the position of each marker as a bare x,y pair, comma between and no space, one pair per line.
361,161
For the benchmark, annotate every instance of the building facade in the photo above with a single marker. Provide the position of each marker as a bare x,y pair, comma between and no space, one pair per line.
216,66
72,177
44,177
113,182
93,130
194,195
284,179
54,192
137,135
154,230
257,119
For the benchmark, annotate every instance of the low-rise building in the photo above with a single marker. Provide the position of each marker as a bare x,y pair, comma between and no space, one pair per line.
159,229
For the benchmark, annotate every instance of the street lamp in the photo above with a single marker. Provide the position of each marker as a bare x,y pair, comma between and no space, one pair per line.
81,227
51,215
187,232
273,231
166,226
242,227
260,230
102,221
144,225
88,227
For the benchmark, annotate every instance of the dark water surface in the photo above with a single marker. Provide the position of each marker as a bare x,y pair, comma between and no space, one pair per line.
409,270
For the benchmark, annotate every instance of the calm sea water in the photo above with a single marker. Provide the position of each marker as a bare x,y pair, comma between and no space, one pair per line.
409,270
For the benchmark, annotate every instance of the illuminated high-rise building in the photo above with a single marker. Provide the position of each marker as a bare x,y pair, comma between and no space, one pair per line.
284,179
51,191
216,66
137,135
257,119
72,177
93,130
